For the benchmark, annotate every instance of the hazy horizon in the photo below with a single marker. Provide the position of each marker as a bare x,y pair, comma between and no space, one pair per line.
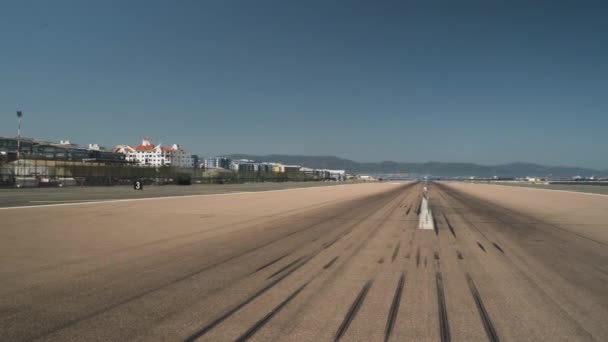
479,82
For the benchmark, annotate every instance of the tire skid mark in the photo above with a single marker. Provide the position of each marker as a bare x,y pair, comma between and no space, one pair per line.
425,262
498,247
408,210
485,317
202,331
394,310
396,252
418,256
206,329
131,248
459,255
381,260
481,246
331,262
444,325
376,199
286,267
270,263
329,244
345,233
449,225
354,309
259,324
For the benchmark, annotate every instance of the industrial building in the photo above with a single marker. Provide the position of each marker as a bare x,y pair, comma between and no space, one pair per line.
66,151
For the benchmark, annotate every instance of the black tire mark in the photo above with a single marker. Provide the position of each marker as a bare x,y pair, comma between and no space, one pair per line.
374,201
328,265
329,244
485,317
418,256
459,255
270,263
396,252
481,246
419,206
408,210
394,310
286,267
197,334
352,312
424,262
449,225
259,324
173,238
444,325
498,247
381,260
435,224
436,254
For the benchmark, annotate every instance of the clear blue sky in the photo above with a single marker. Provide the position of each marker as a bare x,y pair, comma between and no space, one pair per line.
472,81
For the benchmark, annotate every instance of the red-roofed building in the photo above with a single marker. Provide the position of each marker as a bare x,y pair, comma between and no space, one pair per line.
148,154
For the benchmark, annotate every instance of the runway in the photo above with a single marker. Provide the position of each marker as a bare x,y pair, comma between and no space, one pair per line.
341,263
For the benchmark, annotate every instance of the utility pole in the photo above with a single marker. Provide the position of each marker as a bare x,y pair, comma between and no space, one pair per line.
19,116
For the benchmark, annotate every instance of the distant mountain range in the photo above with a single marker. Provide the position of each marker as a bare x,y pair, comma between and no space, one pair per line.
430,168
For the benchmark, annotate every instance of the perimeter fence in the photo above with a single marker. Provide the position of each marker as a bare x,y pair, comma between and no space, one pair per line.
26,172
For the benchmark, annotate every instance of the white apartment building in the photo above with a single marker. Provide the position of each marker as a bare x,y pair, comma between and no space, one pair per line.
148,154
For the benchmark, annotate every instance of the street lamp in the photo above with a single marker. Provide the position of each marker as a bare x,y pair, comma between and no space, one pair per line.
19,116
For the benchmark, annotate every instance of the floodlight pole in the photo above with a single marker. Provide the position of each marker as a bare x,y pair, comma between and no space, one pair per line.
19,116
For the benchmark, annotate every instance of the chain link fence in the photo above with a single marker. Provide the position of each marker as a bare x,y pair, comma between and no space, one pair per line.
29,172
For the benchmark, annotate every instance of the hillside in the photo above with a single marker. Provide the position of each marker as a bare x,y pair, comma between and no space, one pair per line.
429,168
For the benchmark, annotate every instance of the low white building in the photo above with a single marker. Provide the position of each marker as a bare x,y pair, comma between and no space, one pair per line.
217,163
148,154
339,175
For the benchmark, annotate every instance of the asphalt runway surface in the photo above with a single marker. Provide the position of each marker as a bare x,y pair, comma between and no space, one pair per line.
11,197
319,264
